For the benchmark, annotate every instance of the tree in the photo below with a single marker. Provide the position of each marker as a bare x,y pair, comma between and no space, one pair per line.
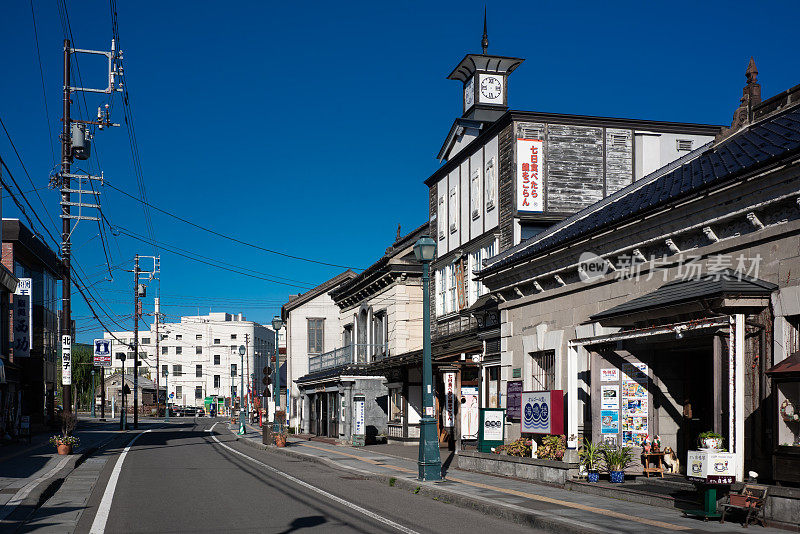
82,363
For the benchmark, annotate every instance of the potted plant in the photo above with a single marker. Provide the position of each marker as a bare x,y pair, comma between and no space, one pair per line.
709,440
591,457
66,441
282,433
616,460
280,438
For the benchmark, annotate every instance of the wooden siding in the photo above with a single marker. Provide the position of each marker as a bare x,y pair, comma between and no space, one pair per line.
619,159
506,187
574,173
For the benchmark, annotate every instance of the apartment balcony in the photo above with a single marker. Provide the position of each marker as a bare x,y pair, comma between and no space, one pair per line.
358,353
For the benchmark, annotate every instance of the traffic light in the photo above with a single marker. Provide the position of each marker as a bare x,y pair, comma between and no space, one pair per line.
266,380
267,370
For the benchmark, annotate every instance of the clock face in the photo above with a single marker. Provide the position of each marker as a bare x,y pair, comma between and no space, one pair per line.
469,93
491,88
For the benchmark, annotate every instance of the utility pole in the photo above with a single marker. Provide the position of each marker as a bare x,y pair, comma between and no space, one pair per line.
136,343
158,354
66,183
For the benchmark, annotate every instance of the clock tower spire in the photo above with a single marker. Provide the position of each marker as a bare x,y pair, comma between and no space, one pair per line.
485,80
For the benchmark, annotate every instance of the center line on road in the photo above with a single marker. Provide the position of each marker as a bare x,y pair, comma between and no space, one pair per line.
100,519
322,492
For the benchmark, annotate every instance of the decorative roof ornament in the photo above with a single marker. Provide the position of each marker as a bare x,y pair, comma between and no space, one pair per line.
751,97
485,40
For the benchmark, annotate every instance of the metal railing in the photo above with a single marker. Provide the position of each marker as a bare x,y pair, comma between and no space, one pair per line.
357,353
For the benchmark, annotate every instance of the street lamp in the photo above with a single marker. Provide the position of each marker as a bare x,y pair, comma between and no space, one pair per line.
430,463
277,324
242,413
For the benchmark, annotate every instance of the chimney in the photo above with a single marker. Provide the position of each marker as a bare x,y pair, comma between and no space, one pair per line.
751,97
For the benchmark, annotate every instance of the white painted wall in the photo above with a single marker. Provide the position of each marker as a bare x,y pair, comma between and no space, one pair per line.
653,150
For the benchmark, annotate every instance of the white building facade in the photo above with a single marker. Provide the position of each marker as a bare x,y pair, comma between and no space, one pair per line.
201,355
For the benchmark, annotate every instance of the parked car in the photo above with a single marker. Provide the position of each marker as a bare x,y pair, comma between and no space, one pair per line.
190,411
201,412
177,411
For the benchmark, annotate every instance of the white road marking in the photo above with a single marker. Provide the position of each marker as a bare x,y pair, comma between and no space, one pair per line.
212,428
100,519
324,493
25,490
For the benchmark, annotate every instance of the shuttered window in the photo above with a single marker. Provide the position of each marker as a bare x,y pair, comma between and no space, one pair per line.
315,336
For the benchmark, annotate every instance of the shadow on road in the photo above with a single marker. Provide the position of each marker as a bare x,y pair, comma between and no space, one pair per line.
305,522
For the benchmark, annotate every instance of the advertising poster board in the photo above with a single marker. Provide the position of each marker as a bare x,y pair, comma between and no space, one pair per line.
542,412
492,428
711,467
102,353
609,397
530,170
469,412
609,422
449,418
609,375
513,399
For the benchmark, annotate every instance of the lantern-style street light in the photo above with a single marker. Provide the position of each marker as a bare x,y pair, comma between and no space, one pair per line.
430,463
277,324
242,405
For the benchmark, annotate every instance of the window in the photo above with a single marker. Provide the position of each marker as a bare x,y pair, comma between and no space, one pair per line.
452,283
216,341
178,350
177,370
198,349
452,209
178,393
396,405
216,359
379,325
198,336
216,381
164,370
492,386
683,145
233,348
233,369
476,193
543,370
178,337
491,184
315,333
145,341
440,291
233,336
164,350
441,217
198,371
198,392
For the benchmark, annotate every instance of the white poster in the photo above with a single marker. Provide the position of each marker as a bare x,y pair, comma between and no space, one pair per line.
23,318
449,399
66,360
358,416
469,413
493,425
609,399
530,170
609,375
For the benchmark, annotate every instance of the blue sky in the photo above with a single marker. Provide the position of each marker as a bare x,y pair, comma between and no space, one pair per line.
309,128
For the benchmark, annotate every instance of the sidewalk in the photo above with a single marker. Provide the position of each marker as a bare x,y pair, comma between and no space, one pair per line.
28,472
540,506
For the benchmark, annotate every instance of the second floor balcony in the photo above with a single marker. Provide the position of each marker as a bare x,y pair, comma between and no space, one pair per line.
356,353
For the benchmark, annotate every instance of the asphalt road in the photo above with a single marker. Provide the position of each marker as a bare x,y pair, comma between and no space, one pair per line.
179,479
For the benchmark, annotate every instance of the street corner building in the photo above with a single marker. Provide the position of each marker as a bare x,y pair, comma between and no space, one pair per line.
672,306
29,325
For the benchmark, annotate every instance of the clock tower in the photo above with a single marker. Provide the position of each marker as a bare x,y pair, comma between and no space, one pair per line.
485,80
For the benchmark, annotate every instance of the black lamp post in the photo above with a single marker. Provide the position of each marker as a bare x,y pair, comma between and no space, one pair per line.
430,463
277,324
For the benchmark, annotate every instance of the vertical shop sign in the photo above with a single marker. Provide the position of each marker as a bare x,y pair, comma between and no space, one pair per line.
449,398
23,317
530,168
66,360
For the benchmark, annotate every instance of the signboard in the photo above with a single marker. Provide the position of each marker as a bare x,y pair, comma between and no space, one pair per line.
23,318
469,412
542,412
609,421
609,397
449,399
530,169
359,428
492,428
711,467
609,375
66,360
102,352
513,399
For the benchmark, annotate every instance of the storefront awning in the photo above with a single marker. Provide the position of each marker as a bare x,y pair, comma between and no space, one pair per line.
682,297
788,368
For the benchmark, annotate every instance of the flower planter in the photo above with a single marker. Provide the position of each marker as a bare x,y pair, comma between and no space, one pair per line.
280,441
617,477
593,476
713,444
64,448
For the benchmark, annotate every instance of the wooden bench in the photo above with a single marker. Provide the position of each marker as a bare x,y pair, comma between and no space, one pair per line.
750,500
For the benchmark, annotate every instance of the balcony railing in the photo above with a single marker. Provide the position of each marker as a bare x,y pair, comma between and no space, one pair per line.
358,353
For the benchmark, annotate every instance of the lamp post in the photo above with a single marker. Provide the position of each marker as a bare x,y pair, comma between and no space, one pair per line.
430,463
166,394
277,324
242,405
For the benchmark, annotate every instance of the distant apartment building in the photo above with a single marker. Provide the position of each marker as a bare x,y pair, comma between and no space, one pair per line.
200,355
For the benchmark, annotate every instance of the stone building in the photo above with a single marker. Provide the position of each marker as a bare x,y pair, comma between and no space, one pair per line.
658,309
507,176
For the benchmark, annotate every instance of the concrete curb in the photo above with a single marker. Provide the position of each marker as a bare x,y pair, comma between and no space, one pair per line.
509,512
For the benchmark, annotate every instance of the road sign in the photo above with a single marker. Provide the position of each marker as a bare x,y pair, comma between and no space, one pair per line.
171,395
102,352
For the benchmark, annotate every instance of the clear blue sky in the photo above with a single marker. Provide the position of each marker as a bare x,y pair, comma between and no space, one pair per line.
309,127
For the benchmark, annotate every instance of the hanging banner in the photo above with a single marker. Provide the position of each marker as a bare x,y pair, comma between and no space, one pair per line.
23,318
530,169
469,412
66,360
542,412
449,398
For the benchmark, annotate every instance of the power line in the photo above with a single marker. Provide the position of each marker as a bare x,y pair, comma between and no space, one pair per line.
229,237
44,92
